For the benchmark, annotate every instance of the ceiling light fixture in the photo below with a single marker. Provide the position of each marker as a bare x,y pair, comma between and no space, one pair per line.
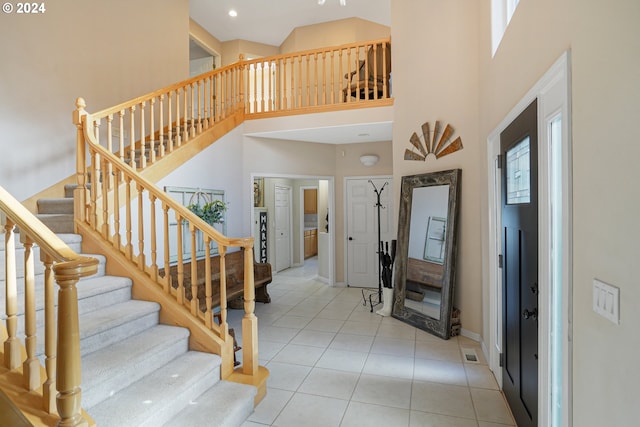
342,2
369,159
233,13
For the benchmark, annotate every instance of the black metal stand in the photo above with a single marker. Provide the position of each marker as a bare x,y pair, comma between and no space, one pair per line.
380,251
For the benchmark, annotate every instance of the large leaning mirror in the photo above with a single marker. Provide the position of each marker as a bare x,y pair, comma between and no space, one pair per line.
425,263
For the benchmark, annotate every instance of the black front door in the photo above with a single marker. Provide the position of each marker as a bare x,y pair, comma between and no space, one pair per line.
519,163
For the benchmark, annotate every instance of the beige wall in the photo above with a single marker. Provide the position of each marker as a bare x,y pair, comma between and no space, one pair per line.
606,102
292,158
332,34
435,63
89,49
231,50
204,39
604,39
347,159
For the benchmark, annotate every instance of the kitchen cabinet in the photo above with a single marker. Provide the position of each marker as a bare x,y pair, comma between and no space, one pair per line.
311,201
310,243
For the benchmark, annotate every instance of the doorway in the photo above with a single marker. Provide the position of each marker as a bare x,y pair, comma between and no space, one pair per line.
518,162
201,60
361,227
554,245
283,227
263,199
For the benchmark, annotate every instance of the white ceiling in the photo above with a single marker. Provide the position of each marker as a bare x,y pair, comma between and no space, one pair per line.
344,134
270,22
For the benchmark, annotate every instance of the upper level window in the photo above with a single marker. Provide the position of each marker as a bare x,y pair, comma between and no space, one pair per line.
501,13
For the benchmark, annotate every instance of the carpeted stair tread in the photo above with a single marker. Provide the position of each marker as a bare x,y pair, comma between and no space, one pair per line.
98,292
93,294
87,286
160,395
62,205
109,325
226,404
115,367
58,223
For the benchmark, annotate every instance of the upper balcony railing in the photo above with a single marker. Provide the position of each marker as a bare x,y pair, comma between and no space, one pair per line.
145,129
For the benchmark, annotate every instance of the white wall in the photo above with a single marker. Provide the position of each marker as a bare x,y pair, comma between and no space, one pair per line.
219,167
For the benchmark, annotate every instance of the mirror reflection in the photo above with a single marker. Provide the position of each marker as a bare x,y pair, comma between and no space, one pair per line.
425,257
425,263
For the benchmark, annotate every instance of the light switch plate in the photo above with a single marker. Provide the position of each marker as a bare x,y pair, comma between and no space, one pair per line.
606,301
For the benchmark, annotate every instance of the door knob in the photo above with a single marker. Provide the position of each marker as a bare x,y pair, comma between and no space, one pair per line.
530,314
350,238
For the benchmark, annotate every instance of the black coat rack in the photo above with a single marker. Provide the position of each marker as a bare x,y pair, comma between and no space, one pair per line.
379,252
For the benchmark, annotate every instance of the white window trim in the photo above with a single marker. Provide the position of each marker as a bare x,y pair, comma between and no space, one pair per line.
501,13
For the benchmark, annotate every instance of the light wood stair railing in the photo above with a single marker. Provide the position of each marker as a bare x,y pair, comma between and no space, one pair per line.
132,215
62,354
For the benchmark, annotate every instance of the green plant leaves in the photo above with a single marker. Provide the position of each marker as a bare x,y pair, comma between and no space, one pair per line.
211,213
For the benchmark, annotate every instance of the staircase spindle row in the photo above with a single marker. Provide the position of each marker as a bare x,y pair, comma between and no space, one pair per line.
155,231
145,130
61,386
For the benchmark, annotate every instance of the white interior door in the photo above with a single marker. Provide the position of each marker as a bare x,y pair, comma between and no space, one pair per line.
283,227
362,227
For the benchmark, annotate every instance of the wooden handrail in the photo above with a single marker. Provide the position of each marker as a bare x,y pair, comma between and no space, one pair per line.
65,267
113,189
140,181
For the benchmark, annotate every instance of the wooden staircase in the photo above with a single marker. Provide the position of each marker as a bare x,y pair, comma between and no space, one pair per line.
136,371
129,359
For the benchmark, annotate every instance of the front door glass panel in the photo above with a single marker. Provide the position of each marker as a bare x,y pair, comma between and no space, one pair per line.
519,173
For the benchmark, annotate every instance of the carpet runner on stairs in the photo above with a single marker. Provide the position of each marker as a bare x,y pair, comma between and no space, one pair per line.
135,371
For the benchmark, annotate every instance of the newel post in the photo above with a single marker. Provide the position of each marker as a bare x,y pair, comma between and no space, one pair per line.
68,400
79,193
249,321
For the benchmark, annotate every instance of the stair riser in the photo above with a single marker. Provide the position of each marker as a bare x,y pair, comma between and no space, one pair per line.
227,404
55,206
132,372
162,394
58,223
96,302
118,333
85,304
179,401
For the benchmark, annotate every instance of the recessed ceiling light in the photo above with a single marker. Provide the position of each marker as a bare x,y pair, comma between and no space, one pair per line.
233,13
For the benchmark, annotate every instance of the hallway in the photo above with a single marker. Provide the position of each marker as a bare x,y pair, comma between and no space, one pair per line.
333,363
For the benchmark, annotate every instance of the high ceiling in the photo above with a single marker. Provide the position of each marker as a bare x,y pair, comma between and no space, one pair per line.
271,21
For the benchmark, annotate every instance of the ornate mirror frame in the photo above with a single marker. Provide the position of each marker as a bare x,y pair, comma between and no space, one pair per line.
442,326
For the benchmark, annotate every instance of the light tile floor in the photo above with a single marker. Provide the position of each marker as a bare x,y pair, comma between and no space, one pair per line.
334,363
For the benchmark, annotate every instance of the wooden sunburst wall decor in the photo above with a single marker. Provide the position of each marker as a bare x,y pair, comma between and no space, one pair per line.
434,142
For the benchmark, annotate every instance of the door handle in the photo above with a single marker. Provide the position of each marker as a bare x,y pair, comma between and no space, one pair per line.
350,238
530,314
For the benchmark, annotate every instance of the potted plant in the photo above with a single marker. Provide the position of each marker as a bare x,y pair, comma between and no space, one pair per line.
211,212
